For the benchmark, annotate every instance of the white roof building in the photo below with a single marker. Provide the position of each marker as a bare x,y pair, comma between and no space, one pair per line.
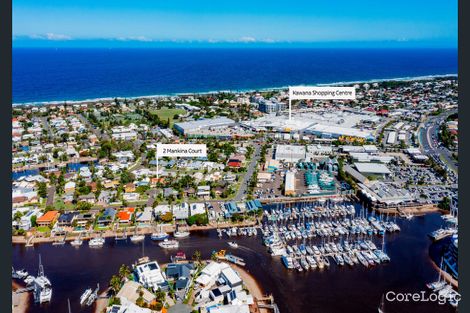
210,273
290,153
150,275
372,168
197,208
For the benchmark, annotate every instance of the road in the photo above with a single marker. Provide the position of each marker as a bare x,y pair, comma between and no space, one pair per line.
50,196
47,127
249,172
97,132
428,138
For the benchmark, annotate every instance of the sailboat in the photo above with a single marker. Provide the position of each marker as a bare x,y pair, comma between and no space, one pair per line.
180,234
382,304
77,241
439,284
158,236
136,237
42,286
123,237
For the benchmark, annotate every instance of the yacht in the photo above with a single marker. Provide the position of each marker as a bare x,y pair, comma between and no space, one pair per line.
42,286
76,242
181,234
85,295
137,238
169,244
233,244
159,236
96,242
287,261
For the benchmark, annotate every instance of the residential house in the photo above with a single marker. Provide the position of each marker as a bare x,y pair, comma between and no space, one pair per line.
48,218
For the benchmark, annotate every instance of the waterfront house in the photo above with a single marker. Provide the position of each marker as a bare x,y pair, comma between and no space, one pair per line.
48,218
84,219
210,274
180,273
66,219
25,220
181,211
161,209
144,218
131,291
150,276
106,218
231,278
125,216
197,208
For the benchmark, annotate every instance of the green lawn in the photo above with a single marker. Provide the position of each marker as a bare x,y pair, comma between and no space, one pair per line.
43,229
166,113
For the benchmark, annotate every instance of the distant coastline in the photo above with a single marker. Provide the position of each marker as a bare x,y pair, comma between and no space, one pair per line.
265,89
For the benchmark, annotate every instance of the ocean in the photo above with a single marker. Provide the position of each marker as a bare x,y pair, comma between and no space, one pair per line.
49,75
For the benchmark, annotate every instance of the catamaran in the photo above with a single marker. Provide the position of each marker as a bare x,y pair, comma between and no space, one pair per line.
42,286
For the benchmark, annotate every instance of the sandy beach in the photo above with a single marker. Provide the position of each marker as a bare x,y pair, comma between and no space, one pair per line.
20,301
102,302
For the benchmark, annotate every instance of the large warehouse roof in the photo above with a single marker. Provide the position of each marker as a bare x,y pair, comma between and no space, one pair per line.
372,168
205,123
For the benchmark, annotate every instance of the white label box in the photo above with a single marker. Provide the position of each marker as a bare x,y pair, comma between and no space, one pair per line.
321,93
181,150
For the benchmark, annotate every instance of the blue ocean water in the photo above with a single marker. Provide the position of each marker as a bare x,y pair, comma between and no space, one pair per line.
41,75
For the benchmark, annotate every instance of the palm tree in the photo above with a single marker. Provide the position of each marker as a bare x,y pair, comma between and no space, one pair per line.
115,283
197,256
124,271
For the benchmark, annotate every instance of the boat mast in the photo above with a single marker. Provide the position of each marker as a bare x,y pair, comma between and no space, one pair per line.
68,301
41,268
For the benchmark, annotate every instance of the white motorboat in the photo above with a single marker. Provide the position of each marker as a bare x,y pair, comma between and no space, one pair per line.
76,242
233,244
169,244
96,242
85,296
137,238
181,234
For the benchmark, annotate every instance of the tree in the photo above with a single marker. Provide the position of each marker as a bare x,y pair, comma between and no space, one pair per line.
42,190
83,206
127,177
197,256
124,271
33,221
115,283
167,217
444,204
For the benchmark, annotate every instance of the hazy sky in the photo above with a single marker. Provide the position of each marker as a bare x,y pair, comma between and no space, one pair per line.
240,22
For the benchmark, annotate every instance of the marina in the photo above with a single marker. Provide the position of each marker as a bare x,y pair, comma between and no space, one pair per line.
308,235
